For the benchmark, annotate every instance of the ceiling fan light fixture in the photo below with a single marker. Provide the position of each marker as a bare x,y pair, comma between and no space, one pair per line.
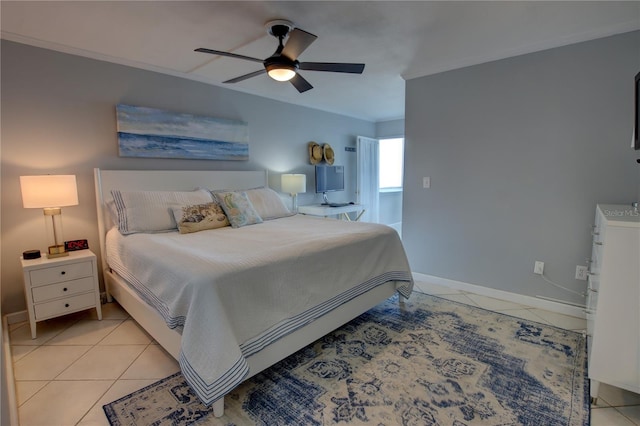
283,64
281,72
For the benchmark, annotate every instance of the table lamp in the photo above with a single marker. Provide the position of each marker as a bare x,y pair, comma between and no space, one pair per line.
50,193
294,184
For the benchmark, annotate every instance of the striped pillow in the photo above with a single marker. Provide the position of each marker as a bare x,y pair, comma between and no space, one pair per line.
150,211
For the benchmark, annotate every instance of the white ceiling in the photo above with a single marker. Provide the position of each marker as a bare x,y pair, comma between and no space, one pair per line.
396,40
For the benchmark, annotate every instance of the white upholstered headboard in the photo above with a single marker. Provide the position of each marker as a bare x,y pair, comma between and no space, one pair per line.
164,180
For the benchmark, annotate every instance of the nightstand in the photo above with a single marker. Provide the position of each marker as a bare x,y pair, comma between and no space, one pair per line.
60,286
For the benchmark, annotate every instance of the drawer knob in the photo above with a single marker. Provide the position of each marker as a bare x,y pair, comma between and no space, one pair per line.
66,305
64,289
62,273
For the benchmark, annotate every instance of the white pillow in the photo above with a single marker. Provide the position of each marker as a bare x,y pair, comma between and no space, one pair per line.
267,203
150,211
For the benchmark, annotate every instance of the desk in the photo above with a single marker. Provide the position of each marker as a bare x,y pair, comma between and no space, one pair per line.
324,210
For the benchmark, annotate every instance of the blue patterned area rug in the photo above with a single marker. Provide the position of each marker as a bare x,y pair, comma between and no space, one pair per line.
429,362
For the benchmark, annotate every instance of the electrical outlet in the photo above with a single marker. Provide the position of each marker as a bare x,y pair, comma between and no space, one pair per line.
538,268
581,272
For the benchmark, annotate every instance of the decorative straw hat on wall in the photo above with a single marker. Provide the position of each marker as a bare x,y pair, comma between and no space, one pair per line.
315,153
327,151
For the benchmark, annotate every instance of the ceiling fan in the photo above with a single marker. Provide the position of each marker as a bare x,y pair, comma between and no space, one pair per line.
283,65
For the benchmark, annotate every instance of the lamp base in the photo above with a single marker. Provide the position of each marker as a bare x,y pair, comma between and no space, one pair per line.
57,251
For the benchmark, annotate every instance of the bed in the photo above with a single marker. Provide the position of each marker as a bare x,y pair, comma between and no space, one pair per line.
231,301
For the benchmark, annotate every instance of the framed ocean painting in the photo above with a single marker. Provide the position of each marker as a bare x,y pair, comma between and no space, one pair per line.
154,133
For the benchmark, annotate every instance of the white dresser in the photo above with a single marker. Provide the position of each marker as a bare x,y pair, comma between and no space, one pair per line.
613,300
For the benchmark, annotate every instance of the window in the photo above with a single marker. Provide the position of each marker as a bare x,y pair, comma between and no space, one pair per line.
391,163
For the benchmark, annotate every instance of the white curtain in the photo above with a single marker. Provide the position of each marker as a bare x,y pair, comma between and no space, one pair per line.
368,177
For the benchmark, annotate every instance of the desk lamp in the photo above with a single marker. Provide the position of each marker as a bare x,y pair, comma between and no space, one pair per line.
50,193
294,184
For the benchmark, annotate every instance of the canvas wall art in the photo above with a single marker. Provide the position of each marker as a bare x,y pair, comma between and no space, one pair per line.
154,133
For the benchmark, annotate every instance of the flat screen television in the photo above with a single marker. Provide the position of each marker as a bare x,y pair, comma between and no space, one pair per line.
329,179
636,116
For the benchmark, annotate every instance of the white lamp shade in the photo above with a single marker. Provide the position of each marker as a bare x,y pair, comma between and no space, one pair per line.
294,183
281,74
49,191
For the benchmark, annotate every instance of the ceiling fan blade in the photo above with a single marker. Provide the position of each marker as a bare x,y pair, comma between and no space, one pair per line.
229,54
246,76
332,67
300,83
297,43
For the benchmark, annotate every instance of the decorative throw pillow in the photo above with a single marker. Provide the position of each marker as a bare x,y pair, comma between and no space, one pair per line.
199,217
150,211
238,208
267,203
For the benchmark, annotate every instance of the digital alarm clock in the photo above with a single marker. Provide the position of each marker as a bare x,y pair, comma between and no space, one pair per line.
76,245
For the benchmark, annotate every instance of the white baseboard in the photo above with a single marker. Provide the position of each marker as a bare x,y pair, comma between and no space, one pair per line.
16,317
535,302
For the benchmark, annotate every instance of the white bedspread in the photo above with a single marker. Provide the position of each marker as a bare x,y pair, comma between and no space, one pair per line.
234,291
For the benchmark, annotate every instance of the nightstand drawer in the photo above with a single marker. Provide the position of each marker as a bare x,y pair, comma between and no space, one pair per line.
68,288
62,273
64,306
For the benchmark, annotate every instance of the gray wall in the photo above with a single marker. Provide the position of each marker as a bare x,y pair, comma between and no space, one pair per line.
390,129
519,152
58,116
390,209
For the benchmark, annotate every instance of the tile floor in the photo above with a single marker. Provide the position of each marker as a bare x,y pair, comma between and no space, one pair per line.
77,364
